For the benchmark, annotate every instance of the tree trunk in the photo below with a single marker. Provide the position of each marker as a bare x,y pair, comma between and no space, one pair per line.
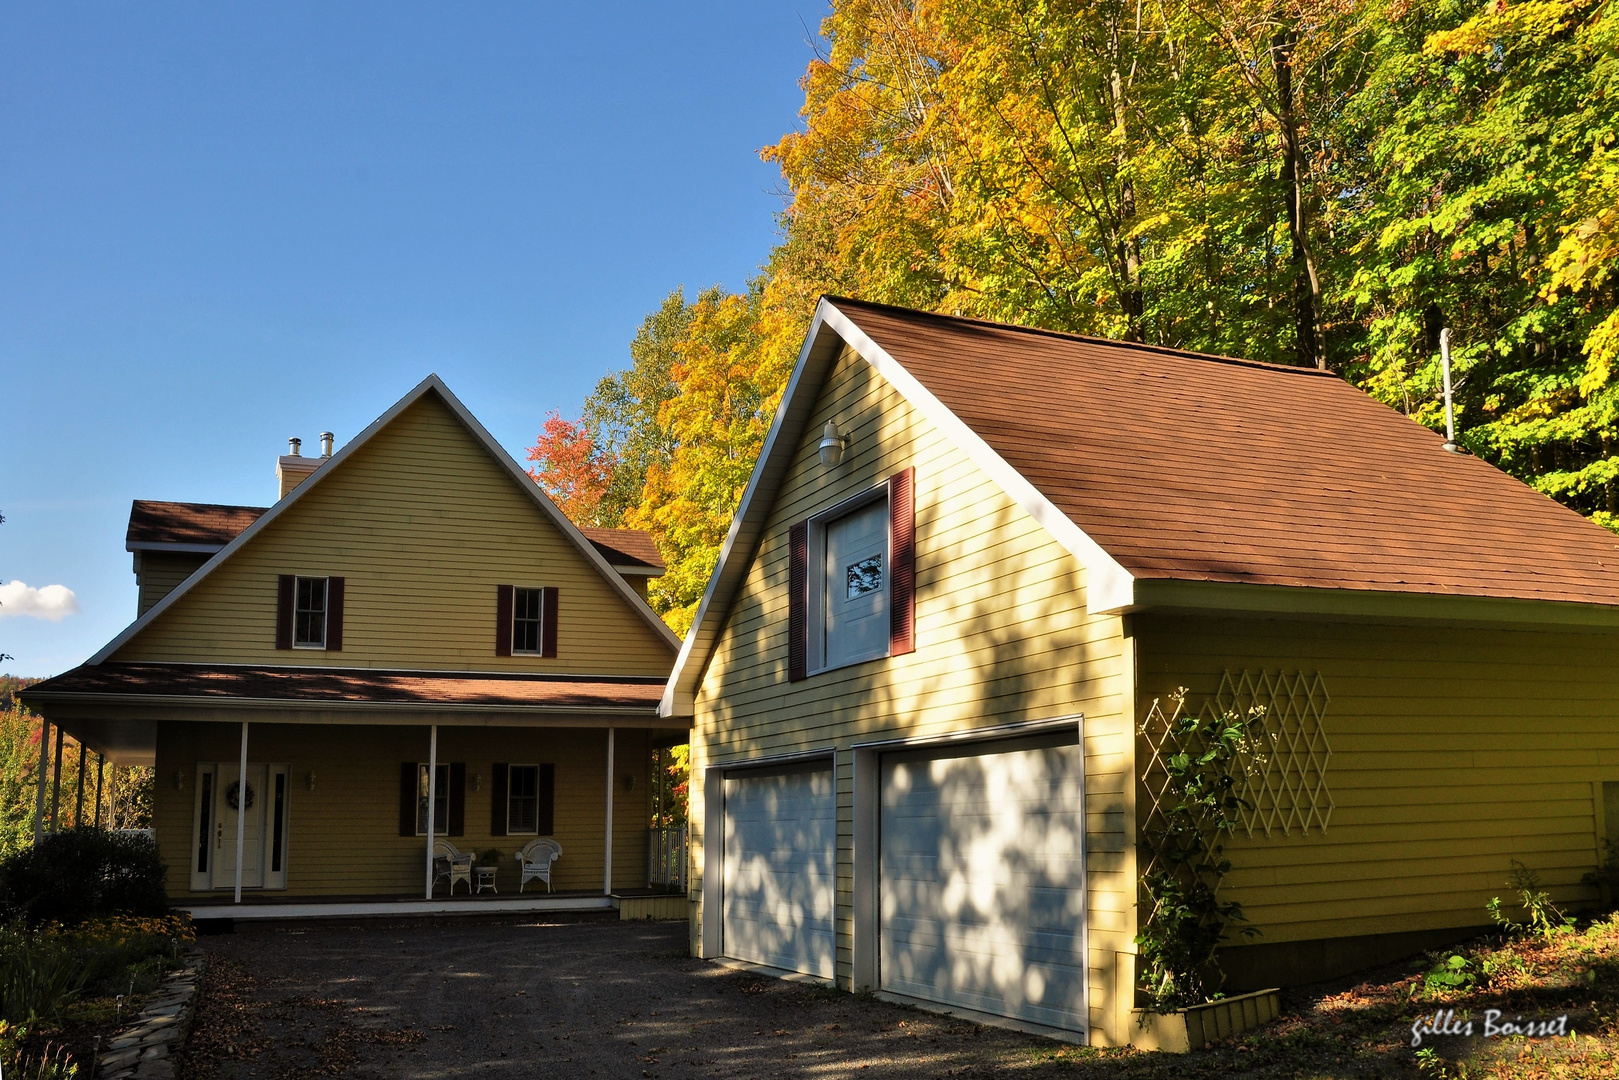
1130,299
1306,287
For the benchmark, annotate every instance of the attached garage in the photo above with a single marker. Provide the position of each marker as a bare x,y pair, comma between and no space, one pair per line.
780,867
981,879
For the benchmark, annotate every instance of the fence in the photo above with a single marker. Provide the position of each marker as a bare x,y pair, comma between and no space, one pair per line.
666,858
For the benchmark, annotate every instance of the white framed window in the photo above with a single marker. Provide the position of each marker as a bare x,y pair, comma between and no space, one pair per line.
528,606
523,800
849,583
441,800
309,613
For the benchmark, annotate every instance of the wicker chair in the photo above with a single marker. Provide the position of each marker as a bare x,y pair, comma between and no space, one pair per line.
450,862
537,857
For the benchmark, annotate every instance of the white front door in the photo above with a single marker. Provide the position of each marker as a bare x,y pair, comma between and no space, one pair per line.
857,586
983,880
262,806
780,875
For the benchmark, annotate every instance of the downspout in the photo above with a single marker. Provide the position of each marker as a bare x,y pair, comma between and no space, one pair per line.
241,812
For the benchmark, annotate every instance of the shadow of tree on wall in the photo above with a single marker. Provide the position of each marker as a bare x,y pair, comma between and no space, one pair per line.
1002,637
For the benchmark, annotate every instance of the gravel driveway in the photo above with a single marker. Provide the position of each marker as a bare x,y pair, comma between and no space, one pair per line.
523,998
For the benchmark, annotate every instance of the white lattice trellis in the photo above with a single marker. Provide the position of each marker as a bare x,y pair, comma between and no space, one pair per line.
1284,778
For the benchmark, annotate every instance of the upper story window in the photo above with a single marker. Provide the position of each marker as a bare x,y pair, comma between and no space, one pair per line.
309,614
527,605
851,580
852,611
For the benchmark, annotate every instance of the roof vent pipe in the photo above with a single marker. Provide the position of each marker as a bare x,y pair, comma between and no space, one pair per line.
293,447
1450,407
326,438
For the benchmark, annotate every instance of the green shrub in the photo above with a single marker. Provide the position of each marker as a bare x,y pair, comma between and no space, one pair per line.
78,874
1454,973
40,975
1545,919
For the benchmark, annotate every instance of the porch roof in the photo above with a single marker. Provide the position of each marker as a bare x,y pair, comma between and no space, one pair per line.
232,684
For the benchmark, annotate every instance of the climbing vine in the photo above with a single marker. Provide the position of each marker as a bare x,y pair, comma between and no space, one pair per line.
1195,761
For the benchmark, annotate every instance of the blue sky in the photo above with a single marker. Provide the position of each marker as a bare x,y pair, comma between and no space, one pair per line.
221,225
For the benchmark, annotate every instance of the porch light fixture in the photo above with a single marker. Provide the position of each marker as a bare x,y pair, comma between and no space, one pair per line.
179,780
311,779
477,782
832,445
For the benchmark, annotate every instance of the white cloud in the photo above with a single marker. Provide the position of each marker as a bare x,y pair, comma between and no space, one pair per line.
53,602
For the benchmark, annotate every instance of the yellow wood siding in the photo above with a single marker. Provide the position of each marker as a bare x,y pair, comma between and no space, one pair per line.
1002,636
424,525
158,573
1454,751
343,834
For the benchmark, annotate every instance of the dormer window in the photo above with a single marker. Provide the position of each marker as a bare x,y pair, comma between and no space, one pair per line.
309,614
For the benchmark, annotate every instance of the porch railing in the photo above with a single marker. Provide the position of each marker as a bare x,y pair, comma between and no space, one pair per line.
666,858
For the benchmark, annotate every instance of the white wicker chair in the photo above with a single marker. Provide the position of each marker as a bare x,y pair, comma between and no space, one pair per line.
537,857
450,862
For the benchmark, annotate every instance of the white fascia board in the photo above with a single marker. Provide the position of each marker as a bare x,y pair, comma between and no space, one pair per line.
431,384
1109,587
680,694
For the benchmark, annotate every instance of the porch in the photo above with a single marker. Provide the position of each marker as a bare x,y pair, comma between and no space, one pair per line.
311,807
631,904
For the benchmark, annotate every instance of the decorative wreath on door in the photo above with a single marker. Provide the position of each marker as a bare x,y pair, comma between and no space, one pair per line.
233,796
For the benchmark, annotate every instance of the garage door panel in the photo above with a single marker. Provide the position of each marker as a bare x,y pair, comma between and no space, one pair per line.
780,878
982,882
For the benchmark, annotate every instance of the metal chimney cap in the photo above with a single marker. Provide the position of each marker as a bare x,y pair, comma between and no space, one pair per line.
293,447
326,438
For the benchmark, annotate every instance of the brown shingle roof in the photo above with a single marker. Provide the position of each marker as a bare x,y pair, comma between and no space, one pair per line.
343,686
152,522
1201,468
626,547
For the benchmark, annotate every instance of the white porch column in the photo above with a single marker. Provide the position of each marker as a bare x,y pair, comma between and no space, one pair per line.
44,767
56,785
607,859
241,812
432,801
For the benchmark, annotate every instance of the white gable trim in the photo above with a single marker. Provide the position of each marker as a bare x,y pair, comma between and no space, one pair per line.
432,384
1109,586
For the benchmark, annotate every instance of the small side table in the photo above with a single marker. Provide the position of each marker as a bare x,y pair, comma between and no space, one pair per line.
485,878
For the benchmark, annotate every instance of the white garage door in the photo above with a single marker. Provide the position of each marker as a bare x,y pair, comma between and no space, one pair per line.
780,876
983,880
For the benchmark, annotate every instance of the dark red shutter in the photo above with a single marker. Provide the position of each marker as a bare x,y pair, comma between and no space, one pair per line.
284,586
458,798
408,774
497,800
548,621
902,563
334,614
798,601
503,621
546,824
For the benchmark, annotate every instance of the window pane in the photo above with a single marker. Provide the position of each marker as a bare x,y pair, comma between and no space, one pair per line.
309,612
526,620
441,801
865,576
522,807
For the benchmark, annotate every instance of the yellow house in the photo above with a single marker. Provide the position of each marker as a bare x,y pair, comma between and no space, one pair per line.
975,563
411,656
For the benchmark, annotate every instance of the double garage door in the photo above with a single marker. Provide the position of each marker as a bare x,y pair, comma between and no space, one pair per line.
980,876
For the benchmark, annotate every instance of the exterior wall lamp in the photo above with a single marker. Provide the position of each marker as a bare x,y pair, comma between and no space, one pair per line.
311,779
832,445
179,779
